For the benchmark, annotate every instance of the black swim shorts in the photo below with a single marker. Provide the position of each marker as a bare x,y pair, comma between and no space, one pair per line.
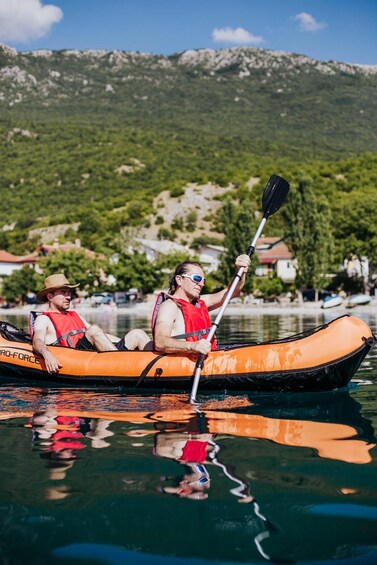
84,344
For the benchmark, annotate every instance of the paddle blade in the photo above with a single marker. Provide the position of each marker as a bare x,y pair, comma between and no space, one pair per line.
274,195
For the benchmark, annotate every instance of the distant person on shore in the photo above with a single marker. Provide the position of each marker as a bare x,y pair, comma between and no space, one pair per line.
60,326
180,321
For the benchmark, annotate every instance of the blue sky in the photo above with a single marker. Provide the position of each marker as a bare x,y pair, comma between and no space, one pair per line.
341,30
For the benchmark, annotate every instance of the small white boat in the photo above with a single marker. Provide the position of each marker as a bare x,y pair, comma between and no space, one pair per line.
332,300
358,300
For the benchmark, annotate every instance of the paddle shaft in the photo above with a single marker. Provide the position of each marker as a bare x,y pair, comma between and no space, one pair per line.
236,279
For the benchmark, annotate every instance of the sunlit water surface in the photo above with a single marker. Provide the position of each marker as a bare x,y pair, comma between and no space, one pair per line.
106,477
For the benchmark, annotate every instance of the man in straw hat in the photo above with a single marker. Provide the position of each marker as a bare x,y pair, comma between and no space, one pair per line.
59,325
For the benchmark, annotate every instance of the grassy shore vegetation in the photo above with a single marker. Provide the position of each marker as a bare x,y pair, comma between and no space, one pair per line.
92,141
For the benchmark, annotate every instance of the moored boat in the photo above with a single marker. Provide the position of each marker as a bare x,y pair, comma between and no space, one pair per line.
358,300
332,300
325,358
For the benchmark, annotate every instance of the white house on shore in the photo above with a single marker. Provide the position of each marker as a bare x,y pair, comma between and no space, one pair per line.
209,256
275,258
155,248
10,262
273,254
356,267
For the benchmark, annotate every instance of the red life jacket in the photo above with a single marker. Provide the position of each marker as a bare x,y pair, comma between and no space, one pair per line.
194,451
196,318
69,327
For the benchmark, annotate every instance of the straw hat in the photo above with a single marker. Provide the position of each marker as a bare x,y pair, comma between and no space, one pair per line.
53,282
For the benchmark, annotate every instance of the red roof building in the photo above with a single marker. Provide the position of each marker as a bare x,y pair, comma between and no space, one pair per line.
275,258
10,262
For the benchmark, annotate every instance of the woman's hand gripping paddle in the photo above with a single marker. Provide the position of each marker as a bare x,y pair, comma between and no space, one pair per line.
273,197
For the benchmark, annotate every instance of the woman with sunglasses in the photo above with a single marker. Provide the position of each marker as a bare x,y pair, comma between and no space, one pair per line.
180,320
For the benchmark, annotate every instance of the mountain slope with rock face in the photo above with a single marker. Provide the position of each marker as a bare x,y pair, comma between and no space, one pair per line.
93,138
280,98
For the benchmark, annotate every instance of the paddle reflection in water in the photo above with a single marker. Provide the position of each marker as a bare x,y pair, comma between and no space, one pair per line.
194,449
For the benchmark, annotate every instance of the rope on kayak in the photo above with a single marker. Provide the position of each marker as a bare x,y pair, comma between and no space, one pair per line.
370,341
148,368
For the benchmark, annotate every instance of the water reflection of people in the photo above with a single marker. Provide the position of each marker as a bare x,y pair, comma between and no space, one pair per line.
60,437
195,449
191,439
192,452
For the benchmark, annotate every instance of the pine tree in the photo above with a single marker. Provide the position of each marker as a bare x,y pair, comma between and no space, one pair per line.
238,225
308,234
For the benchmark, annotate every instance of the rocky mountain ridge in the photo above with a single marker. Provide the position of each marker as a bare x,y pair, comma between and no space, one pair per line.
57,75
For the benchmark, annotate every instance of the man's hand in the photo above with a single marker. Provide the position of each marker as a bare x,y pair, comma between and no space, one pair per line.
42,327
243,261
202,346
52,364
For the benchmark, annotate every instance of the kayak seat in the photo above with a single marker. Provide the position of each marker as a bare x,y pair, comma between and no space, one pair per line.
12,333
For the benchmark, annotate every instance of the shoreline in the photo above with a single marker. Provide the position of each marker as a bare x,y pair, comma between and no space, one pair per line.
144,309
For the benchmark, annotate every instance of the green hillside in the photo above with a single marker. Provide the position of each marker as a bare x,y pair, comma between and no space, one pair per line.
272,101
95,136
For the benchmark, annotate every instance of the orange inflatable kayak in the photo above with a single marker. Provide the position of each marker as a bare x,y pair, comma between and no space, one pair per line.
325,358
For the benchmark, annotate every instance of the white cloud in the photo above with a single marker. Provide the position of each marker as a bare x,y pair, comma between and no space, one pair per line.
308,22
23,20
238,36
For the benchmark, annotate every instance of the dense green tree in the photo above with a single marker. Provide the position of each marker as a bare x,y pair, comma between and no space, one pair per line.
20,283
355,230
78,267
3,240
167,263
308,234
268,287
91,228
191,220
135,271
238,225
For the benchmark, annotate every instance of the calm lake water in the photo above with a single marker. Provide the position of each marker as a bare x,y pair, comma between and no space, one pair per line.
100,477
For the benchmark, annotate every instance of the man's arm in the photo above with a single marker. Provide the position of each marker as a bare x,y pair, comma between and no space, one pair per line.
40,347
215,300
164,327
